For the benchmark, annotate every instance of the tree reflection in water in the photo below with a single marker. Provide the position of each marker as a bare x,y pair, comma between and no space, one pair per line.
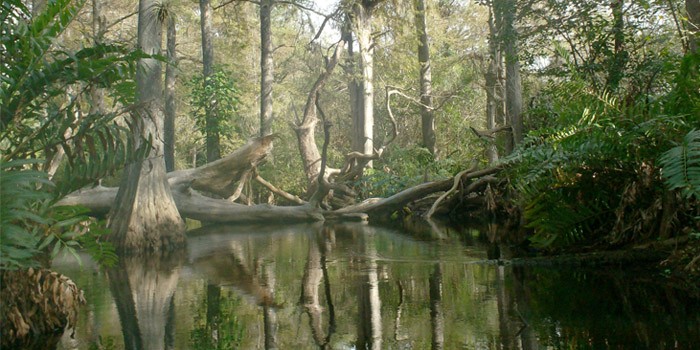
369,328
347,286
143,287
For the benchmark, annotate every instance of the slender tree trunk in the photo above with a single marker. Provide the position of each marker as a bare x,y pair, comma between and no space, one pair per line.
354,87
493,91
212,123
514,99
99,27
266,68
144,215
619,58
692,8
362,26
170,107
426,88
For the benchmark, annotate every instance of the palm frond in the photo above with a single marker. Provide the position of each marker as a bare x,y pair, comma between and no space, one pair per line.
681,166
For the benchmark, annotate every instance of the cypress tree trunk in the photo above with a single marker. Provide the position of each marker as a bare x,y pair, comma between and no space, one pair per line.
144,217
426,88
266,68
212,123
170,107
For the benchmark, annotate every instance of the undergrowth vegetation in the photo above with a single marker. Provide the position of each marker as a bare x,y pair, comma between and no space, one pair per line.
607,171
44,123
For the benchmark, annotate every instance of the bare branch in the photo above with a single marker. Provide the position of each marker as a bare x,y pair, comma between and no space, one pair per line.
286,195
231,1
121,19
489,134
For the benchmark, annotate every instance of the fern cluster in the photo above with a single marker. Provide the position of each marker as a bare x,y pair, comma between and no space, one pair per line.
592,172
45,116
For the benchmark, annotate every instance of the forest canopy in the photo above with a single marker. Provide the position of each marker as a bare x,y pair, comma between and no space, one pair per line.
576,120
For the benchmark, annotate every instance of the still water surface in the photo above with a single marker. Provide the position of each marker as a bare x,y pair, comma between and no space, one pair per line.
353,286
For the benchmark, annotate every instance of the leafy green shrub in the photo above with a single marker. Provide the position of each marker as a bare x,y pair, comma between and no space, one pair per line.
220,96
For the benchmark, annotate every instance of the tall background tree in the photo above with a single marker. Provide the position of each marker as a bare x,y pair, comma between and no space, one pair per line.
211,119
426,77
267,76
170,82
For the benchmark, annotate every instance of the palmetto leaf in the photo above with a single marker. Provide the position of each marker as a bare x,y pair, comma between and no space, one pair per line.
681,165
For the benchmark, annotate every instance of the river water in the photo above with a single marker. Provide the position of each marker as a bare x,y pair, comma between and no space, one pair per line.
353,286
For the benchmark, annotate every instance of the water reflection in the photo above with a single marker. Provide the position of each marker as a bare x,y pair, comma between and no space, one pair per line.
353,286
315,272
143,287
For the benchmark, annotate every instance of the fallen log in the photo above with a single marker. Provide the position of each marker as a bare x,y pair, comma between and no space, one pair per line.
194,205
374,206
219,179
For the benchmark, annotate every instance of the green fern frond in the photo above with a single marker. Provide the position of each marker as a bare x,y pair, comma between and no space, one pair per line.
681,166
20,190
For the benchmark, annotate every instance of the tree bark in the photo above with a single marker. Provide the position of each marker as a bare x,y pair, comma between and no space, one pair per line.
426,88
306,131
266,68
145,216
494,91
212,122
692,8
170,107
514,99
361,19
353,85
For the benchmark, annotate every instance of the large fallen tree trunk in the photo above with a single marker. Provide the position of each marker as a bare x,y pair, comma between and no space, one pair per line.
201,193
194,205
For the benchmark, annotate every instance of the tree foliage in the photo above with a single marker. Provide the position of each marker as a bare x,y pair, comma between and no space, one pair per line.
221,97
